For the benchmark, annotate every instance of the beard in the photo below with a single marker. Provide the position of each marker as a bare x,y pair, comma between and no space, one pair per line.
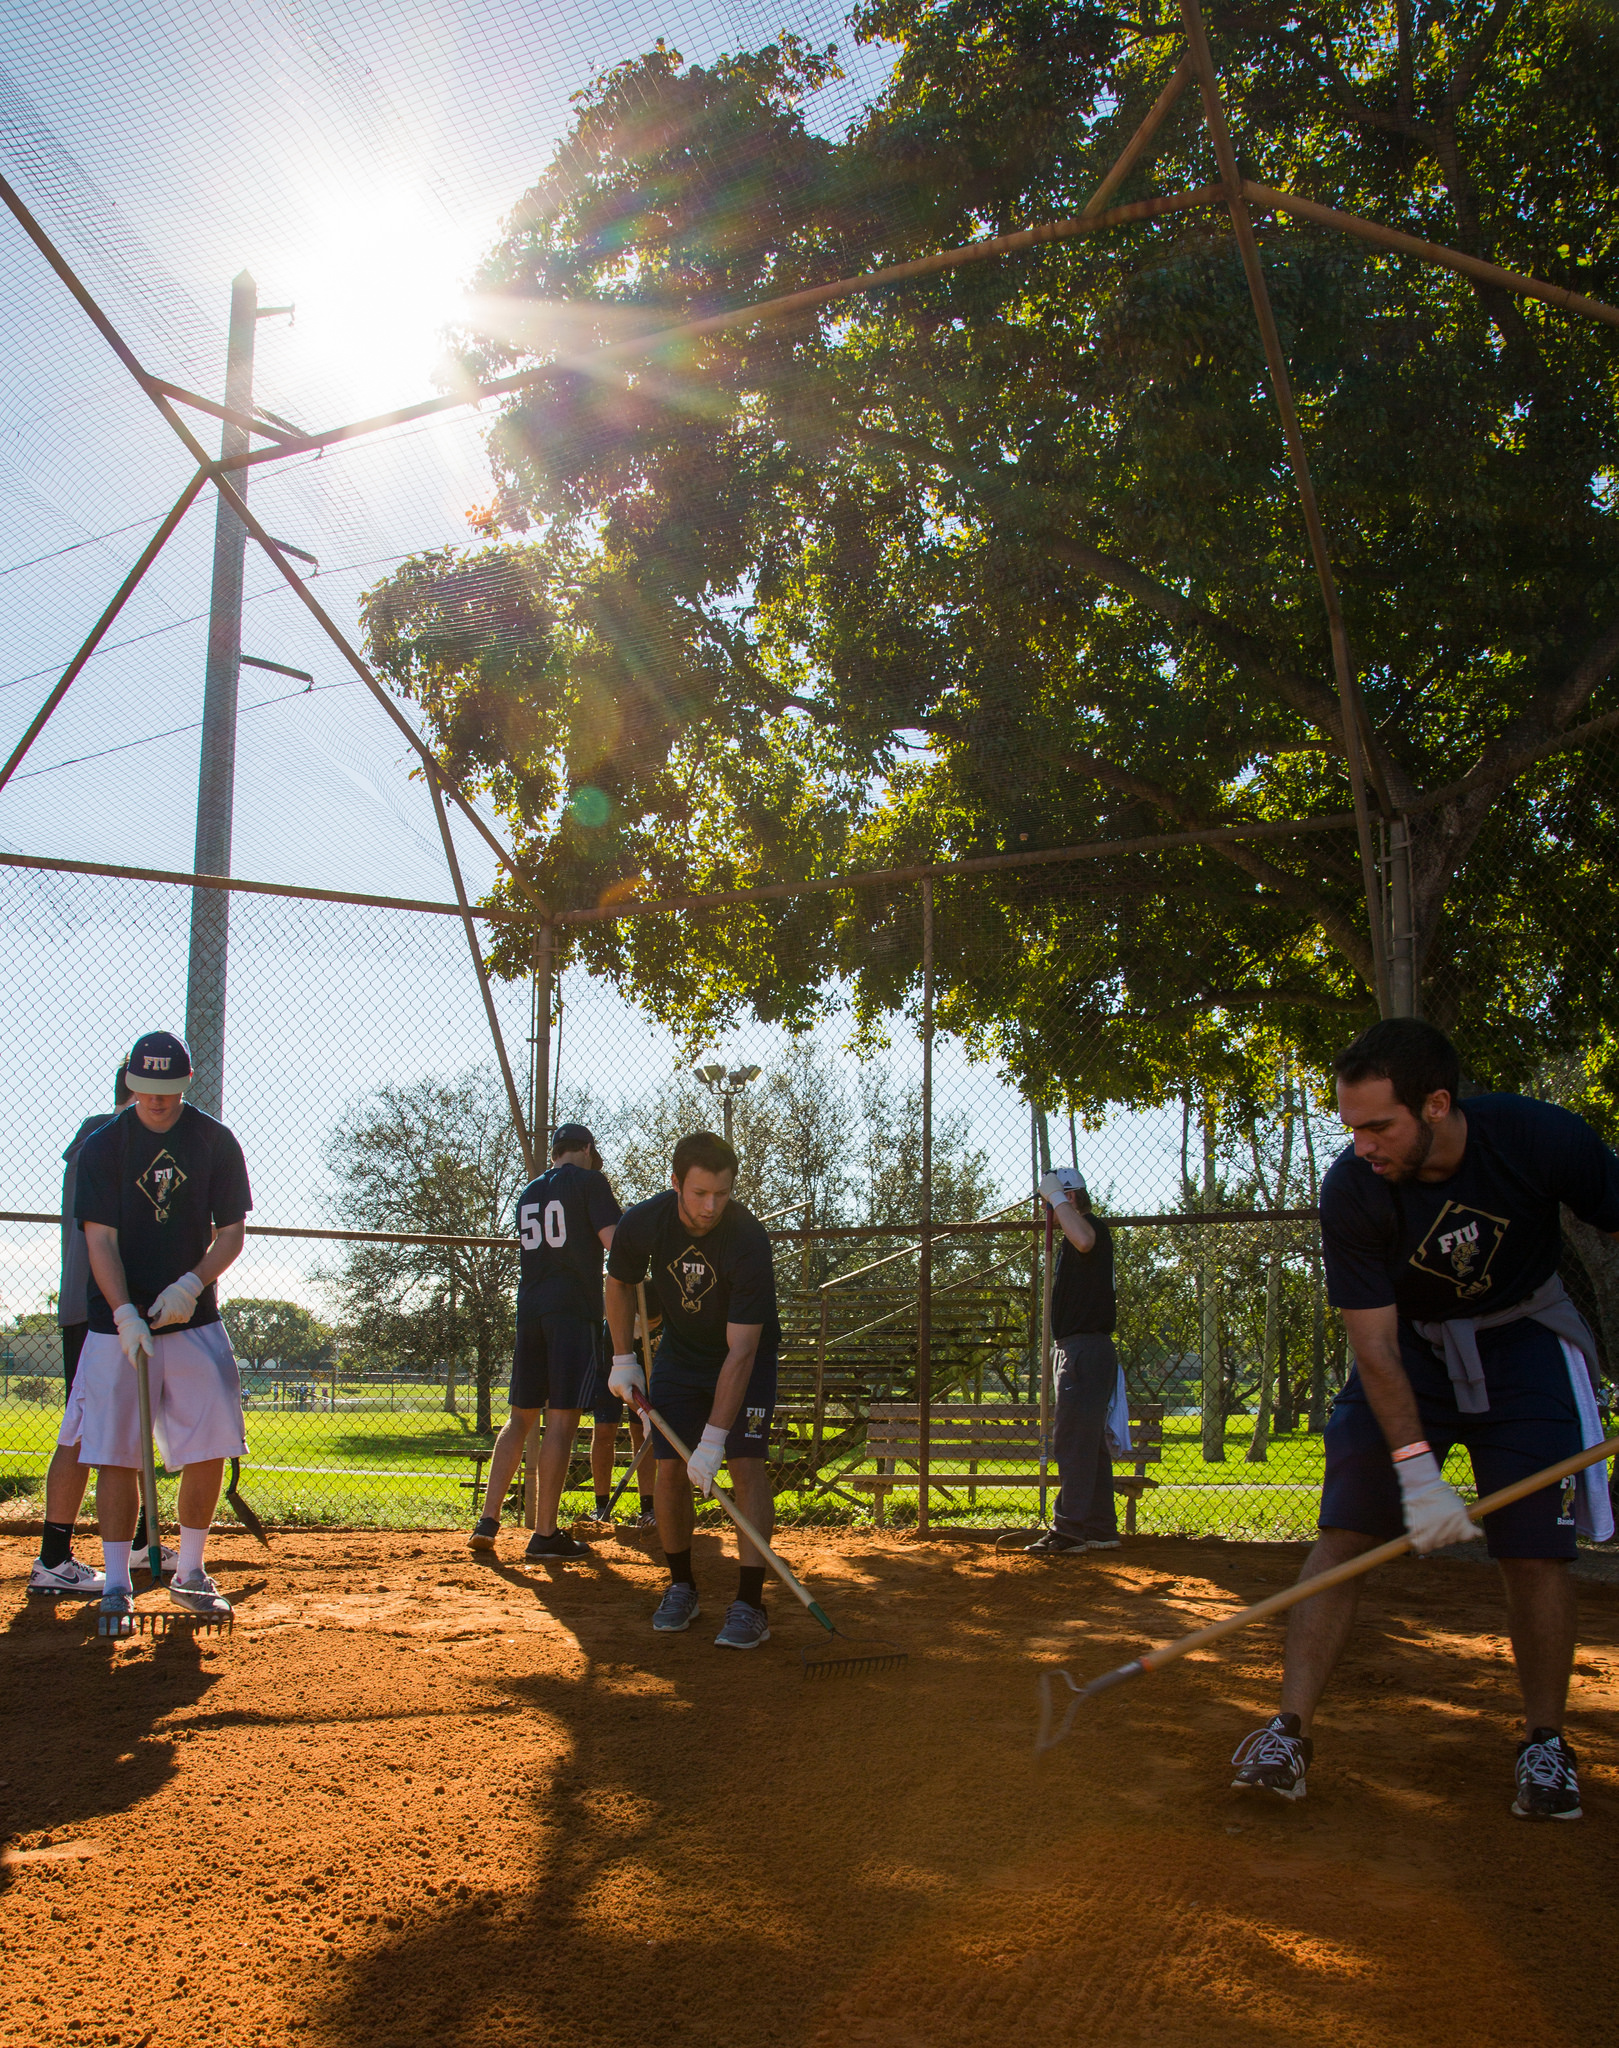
1412,1161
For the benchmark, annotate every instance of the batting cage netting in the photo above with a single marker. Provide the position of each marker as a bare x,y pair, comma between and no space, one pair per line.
923,593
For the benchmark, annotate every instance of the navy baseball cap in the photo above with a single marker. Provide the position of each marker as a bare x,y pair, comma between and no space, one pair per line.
159,1064
571,1138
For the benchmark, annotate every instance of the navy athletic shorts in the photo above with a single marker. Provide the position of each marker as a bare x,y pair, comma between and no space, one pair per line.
557,1363
1531,1422
686,1399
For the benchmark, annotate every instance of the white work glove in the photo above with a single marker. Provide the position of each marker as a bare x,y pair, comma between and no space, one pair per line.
703,1466
626,1376
1434,1511
1055,1189
176,1302
132,1332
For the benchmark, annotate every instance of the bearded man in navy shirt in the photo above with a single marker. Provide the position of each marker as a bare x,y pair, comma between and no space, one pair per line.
1441,1231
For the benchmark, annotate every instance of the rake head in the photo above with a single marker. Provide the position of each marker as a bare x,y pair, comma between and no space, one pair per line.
157,1621
855,1655
1049,1733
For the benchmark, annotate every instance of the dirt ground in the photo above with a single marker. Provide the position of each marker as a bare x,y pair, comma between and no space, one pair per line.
418,1800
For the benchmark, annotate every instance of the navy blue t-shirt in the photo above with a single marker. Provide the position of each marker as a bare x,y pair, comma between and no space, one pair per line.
1480,1241
165,1193
702,1283
559,1217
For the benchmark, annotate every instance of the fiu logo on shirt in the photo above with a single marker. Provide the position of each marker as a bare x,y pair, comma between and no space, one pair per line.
160,1183
1459,1248
693,1275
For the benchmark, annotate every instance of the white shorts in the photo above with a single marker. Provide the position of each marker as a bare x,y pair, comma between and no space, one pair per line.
196,1400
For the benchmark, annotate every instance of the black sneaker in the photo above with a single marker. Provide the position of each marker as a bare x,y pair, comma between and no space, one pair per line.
547,1549
1274,1759
483,1536
1548,1788
1053,1545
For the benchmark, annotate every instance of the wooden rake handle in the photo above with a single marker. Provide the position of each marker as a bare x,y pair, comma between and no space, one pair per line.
778,1565
1307,1589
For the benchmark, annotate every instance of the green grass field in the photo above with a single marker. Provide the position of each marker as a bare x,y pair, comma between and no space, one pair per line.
406,1468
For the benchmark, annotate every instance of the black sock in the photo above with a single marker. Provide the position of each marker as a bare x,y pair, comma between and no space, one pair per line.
679,1563
601,1507
56,1545
751,1585
646,1504
138,1540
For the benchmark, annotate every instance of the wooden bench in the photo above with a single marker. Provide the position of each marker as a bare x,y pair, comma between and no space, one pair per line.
963,1441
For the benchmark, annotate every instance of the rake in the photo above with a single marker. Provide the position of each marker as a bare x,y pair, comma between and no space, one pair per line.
862,1653
1306,1589
164,1621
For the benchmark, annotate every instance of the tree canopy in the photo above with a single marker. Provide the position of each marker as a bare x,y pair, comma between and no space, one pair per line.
1010,556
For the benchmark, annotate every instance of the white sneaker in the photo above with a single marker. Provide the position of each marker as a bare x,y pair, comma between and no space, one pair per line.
140,1560
198,1594
77,1581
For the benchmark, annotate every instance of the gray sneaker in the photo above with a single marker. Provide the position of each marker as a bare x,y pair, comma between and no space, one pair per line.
197,1594
677,1609
745,1627
116,1614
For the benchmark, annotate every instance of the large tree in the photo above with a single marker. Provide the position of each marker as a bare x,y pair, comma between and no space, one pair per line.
1011,556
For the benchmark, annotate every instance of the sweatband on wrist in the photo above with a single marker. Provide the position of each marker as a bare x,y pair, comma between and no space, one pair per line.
1411,1451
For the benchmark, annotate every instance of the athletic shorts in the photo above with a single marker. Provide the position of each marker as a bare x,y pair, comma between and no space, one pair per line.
557,1363
73,1336
686,1400
1531,1422
196,1400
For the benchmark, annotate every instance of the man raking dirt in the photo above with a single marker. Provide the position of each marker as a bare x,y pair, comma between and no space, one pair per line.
1441,1233
714,1374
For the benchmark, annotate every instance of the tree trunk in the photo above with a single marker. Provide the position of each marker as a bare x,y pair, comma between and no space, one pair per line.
1209,1291
1318,1349
1259,1442
450,1365
486,1372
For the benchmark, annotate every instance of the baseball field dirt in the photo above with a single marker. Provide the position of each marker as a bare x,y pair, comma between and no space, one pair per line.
419,1800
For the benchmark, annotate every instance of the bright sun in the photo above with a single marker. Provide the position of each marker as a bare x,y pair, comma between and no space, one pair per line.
377,284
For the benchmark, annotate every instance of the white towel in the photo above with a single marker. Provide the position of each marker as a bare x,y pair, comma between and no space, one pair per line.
1593,1516
1118,1421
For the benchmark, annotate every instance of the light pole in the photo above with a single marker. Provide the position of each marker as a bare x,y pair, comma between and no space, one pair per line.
727,1085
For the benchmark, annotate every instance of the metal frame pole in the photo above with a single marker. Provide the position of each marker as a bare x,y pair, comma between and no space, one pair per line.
924,1288
1358,752
513,1099
207,966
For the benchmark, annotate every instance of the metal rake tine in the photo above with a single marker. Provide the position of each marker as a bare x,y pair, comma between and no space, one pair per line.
1044,1739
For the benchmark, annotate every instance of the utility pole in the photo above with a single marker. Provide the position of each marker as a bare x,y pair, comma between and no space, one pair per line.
216,777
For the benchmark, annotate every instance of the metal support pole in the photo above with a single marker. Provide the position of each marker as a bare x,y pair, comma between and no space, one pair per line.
820,1376
539,1065
1358,754
216,774
513,1101
1404,987
924,1290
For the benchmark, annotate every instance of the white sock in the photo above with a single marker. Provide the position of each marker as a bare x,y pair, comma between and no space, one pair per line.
191,1543
115,1562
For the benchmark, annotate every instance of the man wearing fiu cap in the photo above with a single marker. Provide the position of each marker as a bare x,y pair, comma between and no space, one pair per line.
162,1197
565,1223
1092,1406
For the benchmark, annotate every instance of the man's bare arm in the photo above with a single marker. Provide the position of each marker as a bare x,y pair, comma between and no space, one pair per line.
107,1263
730,1390
620,1304
1374,1338
1075,1226
225,1250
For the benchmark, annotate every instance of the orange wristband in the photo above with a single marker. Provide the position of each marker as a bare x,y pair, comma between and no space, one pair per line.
1410,1451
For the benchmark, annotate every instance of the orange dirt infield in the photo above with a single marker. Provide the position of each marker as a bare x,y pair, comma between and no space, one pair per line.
418,1800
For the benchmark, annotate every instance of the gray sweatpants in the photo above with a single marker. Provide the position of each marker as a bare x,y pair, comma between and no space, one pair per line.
1087,1372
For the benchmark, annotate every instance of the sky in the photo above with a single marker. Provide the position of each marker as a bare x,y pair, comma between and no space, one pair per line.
356,159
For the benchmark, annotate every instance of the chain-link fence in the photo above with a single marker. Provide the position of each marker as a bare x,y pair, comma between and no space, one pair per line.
893,1156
